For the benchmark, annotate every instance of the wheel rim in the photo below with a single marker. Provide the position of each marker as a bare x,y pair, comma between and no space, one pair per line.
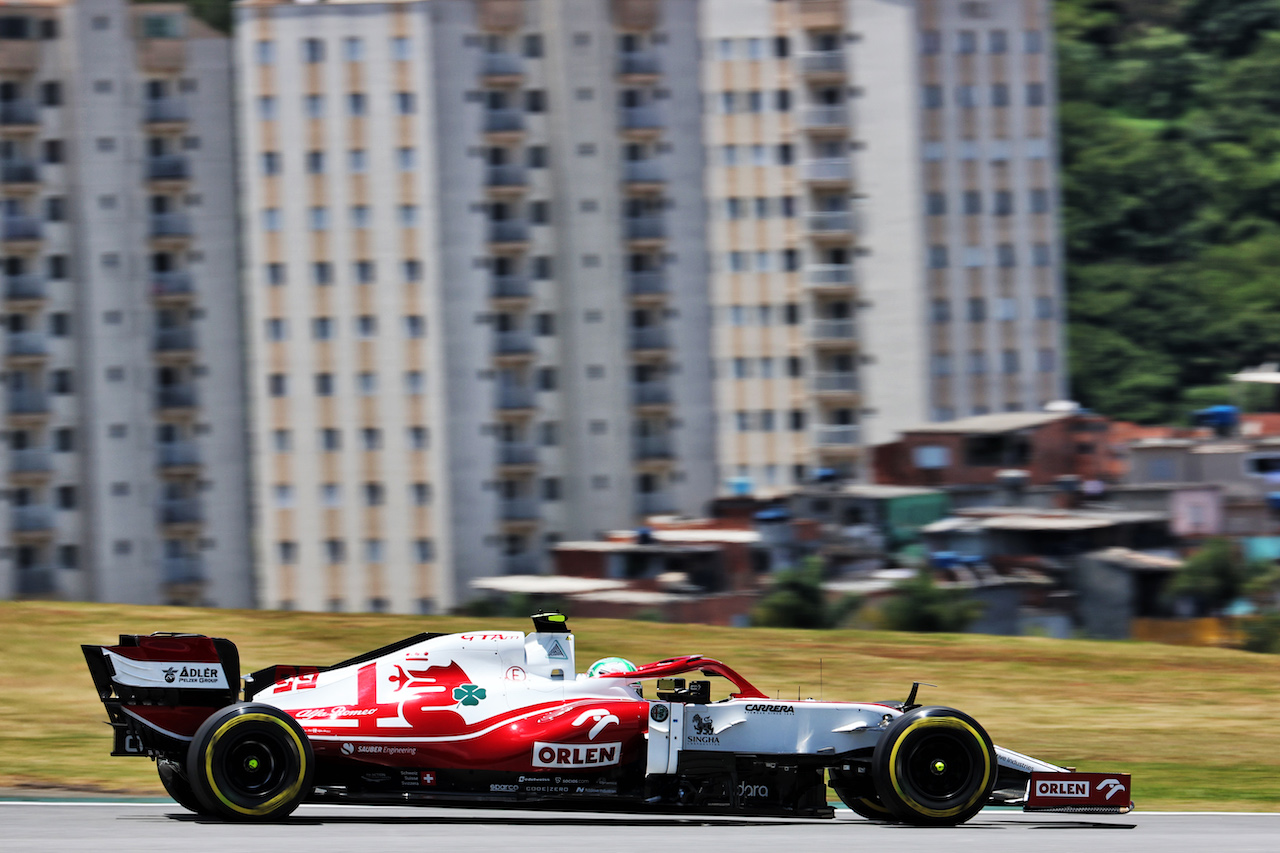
253,766
938,768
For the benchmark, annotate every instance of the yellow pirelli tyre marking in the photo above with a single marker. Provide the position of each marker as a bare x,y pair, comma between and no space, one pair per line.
947,722
283,796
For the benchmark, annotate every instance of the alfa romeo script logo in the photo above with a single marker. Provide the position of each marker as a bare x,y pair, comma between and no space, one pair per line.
468,694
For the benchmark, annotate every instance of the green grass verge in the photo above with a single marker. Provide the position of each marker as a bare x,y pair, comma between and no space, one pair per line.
1197,728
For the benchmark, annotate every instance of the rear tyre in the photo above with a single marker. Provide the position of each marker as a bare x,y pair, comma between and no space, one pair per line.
934,767
869,807
177,786
250,761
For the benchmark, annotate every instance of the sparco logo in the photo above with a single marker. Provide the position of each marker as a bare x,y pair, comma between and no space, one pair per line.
770,709
1045,788
575,754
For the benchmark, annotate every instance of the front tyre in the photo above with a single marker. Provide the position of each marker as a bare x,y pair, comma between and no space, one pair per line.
250,761
934,766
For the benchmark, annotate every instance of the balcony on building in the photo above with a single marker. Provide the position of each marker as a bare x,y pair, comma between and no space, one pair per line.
178,341
837,224
26,345
654,447
25,287
21,55
509,234
639,66
27,401
650,338
829,172
35,581
520,564
823,65
647,283
643,174
178,454
655,503
642,121
517,453
181,571
31,460
654,392
519,509
516,397
170,226
821,14
836,435
502,69
18,174
646,229
181,511
33,518
506,179
20,230
504,121
511,287
172,285
518,342
835,382
177,396
20,115
825,118
168,167
838,276
836,331
165,111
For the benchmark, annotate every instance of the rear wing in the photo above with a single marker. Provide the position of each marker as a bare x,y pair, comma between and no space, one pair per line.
158,688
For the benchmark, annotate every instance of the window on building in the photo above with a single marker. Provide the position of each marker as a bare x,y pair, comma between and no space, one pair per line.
931,95
1035,94
938,257
330,439
313,50
324,384
265,51
277,385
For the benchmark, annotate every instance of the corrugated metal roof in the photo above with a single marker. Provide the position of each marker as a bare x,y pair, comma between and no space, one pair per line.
994,423
868,490
546,584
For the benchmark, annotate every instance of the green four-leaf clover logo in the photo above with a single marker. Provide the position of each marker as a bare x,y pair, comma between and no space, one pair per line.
468,694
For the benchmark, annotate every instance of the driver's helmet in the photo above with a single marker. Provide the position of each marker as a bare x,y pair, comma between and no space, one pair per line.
606,666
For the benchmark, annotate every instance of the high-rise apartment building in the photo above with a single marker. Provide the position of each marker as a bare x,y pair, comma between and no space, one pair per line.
884,228
476,271
125,478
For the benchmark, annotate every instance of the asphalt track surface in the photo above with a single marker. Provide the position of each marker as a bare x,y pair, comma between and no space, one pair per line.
139,827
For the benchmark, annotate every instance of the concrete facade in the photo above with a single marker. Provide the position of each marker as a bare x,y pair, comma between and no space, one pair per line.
884,227
513,183
124,400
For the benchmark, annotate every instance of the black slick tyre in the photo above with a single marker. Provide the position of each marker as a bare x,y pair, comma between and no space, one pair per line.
250,762
869,807
934,766
177,786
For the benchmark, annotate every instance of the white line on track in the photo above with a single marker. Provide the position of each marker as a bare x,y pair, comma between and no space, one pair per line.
133,804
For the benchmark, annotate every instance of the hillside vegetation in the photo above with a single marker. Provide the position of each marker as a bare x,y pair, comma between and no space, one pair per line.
1196,727
1170,133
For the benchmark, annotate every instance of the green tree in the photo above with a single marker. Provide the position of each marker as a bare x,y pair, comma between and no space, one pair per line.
796,599
1212,577
919,604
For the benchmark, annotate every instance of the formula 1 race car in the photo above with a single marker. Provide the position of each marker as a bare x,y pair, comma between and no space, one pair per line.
499,717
